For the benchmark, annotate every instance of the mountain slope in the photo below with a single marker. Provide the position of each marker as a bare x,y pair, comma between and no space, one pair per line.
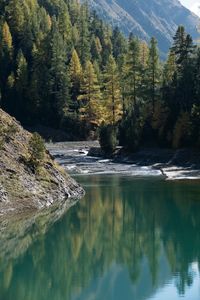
145,19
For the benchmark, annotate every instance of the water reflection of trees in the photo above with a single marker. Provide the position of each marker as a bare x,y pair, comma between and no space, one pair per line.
121,221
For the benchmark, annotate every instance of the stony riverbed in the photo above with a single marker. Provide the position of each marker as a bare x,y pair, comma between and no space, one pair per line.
169,164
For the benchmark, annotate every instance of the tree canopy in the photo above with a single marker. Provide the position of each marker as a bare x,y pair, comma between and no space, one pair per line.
63,67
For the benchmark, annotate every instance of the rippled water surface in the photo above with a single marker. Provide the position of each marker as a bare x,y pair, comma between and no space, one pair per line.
128,239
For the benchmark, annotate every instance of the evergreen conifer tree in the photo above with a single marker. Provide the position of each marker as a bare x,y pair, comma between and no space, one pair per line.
153,73
132,73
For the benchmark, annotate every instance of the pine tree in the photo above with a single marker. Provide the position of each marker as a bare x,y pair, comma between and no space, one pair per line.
58,77
186,90
21,72
123,84
98,72
112,93
74,8
90,97
144,54
197,78
132,73
84,40
169,84
64,25
16,17
179,44
119,44
6,57
96,49
169,68
153,73
107,45
143,76
21,85
76,74
45,22
182,47
36,73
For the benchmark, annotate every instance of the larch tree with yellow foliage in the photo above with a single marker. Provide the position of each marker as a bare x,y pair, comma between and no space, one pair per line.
143,54
112,93
76,74
7,38
6,55
169,68
90,97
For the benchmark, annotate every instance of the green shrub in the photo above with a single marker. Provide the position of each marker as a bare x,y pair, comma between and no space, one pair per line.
10,132
108,138
37,150
6,133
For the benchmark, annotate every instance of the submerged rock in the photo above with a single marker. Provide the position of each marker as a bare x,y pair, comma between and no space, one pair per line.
21,187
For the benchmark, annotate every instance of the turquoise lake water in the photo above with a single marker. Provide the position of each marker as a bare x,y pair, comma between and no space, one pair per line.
128,239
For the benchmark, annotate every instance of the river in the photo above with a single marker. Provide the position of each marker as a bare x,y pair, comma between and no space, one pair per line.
130,238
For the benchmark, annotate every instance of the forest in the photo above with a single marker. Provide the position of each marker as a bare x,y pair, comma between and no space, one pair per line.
61,66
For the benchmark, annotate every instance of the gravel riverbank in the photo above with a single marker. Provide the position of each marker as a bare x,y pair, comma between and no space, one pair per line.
80,158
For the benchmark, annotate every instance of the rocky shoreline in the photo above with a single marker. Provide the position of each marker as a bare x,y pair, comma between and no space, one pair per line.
182,164
22,188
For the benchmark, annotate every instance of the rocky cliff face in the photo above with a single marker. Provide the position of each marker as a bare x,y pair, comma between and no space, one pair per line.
22,188
147,18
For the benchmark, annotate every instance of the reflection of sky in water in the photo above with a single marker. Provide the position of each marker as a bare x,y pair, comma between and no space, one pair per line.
116,285
170,292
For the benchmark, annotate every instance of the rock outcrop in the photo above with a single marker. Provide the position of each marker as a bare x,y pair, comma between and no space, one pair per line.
21,187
